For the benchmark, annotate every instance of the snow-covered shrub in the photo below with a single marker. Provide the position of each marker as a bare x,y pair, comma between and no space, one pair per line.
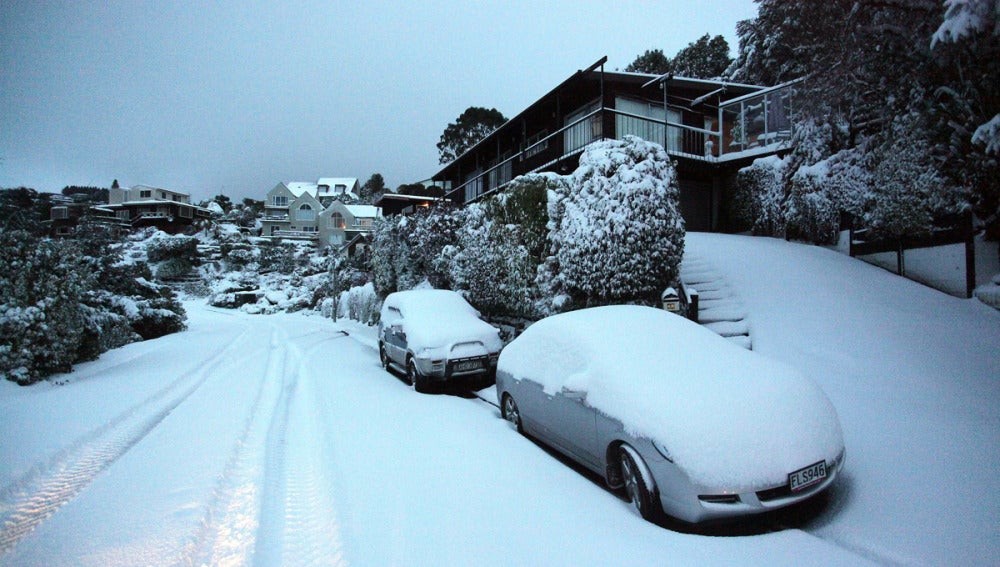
104,330
42,286
173,268
760,194
277,257
813,213
620,236
427,233
163,247
239,256
360,304
500,245
490,266
391,269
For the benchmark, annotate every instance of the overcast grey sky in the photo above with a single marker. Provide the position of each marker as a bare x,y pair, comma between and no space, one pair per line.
232,97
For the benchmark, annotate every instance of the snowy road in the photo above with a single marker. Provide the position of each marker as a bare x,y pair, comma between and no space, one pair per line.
279,440
267,440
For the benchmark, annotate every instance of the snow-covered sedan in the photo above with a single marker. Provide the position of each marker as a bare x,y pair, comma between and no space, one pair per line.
691,425
434,335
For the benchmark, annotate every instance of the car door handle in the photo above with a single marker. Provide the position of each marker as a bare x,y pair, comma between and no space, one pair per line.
569,393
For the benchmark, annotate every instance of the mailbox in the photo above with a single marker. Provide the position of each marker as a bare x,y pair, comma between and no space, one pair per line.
671,301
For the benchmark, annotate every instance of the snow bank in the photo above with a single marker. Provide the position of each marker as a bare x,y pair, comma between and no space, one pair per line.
729,416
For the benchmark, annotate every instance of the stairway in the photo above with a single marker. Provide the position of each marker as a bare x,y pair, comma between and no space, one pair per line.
719,308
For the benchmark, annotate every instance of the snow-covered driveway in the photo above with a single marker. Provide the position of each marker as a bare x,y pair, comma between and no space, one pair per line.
279,440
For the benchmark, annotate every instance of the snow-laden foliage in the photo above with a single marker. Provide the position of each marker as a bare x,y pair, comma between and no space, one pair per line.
67,301
390,253
42,286
813,211
620,236
360,303
500,246
964,18
760,196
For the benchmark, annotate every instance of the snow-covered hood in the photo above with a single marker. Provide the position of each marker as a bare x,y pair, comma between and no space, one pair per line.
436,319
728,416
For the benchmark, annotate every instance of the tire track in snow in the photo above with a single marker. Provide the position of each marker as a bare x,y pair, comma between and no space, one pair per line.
27,502
227,535
311,530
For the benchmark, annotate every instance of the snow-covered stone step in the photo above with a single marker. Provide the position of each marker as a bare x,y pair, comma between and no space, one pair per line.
712,294
729,328
742,340
719,309
720,314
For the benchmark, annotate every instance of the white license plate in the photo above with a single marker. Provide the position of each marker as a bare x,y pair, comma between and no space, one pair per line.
804,478
468,365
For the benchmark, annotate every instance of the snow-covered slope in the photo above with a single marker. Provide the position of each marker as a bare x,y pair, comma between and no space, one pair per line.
915,376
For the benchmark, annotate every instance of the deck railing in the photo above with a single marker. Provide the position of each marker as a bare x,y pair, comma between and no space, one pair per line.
754,124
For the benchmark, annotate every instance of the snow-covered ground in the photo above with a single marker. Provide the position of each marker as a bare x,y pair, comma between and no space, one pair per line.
279,440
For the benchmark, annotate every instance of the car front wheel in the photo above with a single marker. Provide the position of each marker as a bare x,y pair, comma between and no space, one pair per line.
642,497
413,375
383,356
509,411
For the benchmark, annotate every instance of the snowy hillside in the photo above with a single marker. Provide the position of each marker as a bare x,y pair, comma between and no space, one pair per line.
279,440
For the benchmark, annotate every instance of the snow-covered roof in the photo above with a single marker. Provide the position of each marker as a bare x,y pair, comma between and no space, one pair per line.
363,211
299,188
332,182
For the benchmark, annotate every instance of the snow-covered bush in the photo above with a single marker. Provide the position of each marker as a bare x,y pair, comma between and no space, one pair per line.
500,245
278,257
390,255
360,304
427,233
760,194
173,268
163,247
812,213
620,236
42,286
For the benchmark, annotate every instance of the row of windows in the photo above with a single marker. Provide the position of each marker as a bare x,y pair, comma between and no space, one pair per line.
336,220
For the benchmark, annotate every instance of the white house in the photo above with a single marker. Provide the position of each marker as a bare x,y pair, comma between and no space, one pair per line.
317,212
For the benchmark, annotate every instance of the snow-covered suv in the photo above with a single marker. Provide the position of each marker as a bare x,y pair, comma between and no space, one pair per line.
434,336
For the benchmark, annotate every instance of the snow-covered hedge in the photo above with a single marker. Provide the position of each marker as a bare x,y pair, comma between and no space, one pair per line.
360,304
619,236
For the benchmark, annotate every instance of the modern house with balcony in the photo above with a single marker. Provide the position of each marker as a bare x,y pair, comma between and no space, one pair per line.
142,205
317,212
710,129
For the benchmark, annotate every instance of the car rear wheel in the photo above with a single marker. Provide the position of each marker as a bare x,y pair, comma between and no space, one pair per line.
509,411
643,498
383,356
413,375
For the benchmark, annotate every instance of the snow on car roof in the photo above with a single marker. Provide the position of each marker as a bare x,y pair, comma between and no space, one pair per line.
727,415
437,317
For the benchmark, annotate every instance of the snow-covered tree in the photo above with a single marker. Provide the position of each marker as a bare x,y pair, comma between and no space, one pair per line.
907,190
42,287
966,46
620,235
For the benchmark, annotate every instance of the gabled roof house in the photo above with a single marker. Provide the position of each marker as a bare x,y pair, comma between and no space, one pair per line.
710,129
317,212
